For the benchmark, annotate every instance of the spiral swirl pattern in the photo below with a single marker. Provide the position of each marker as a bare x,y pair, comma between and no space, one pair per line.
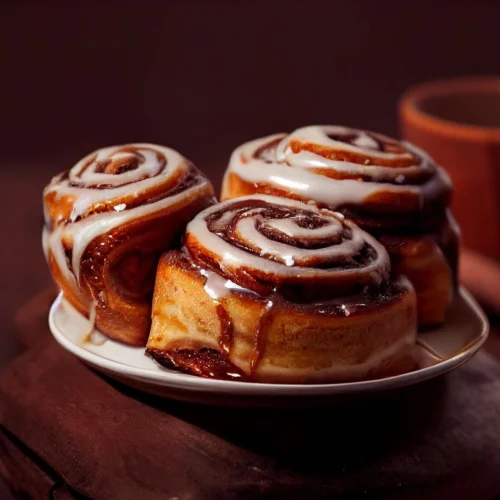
109,188
343,168
117,166
266,242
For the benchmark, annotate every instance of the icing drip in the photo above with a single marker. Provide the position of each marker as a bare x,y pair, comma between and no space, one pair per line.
226,327
217,288
260,244
97,338
93,336
260,336
245,363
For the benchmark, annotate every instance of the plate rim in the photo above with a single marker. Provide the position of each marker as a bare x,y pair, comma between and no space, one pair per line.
187,382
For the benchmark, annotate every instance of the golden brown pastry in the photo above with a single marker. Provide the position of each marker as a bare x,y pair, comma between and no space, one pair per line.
391,189
108,220
274,290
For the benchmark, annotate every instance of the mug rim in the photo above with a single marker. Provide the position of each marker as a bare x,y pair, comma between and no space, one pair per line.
410,111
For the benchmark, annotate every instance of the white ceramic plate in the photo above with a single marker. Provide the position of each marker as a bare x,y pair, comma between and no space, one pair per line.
458,340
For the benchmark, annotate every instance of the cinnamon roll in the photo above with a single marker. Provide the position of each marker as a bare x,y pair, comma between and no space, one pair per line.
107,221
275,290
392,189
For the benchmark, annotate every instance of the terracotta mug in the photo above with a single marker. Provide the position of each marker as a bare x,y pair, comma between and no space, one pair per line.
458,123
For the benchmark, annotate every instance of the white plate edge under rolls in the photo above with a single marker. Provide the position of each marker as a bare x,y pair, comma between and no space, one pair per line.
169,378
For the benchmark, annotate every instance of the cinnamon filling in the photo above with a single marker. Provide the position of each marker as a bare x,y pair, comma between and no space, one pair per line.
204,362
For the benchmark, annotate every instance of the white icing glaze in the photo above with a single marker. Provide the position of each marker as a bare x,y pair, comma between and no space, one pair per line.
92,318
246,231
143,178
79,233
215,285
319,134
45,242
309,160
290,228
148,169
97,338
300,180
288,260
218,287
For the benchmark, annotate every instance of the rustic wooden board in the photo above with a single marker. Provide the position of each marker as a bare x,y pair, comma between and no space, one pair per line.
22,474
437,440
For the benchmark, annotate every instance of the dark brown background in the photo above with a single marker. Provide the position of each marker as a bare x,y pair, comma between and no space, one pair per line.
202,77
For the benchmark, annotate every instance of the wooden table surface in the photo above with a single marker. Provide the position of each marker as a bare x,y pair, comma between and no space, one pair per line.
68,430
23,266
82,75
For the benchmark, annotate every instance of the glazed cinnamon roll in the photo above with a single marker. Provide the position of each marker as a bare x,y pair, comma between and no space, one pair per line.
107,221
275,290
390,188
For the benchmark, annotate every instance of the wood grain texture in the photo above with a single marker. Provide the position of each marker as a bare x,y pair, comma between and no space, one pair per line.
26,474
435,440
23,475
119,58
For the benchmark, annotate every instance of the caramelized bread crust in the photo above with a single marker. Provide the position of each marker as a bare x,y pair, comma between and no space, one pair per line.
273,290
245,336
107,222
422,261
400,196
